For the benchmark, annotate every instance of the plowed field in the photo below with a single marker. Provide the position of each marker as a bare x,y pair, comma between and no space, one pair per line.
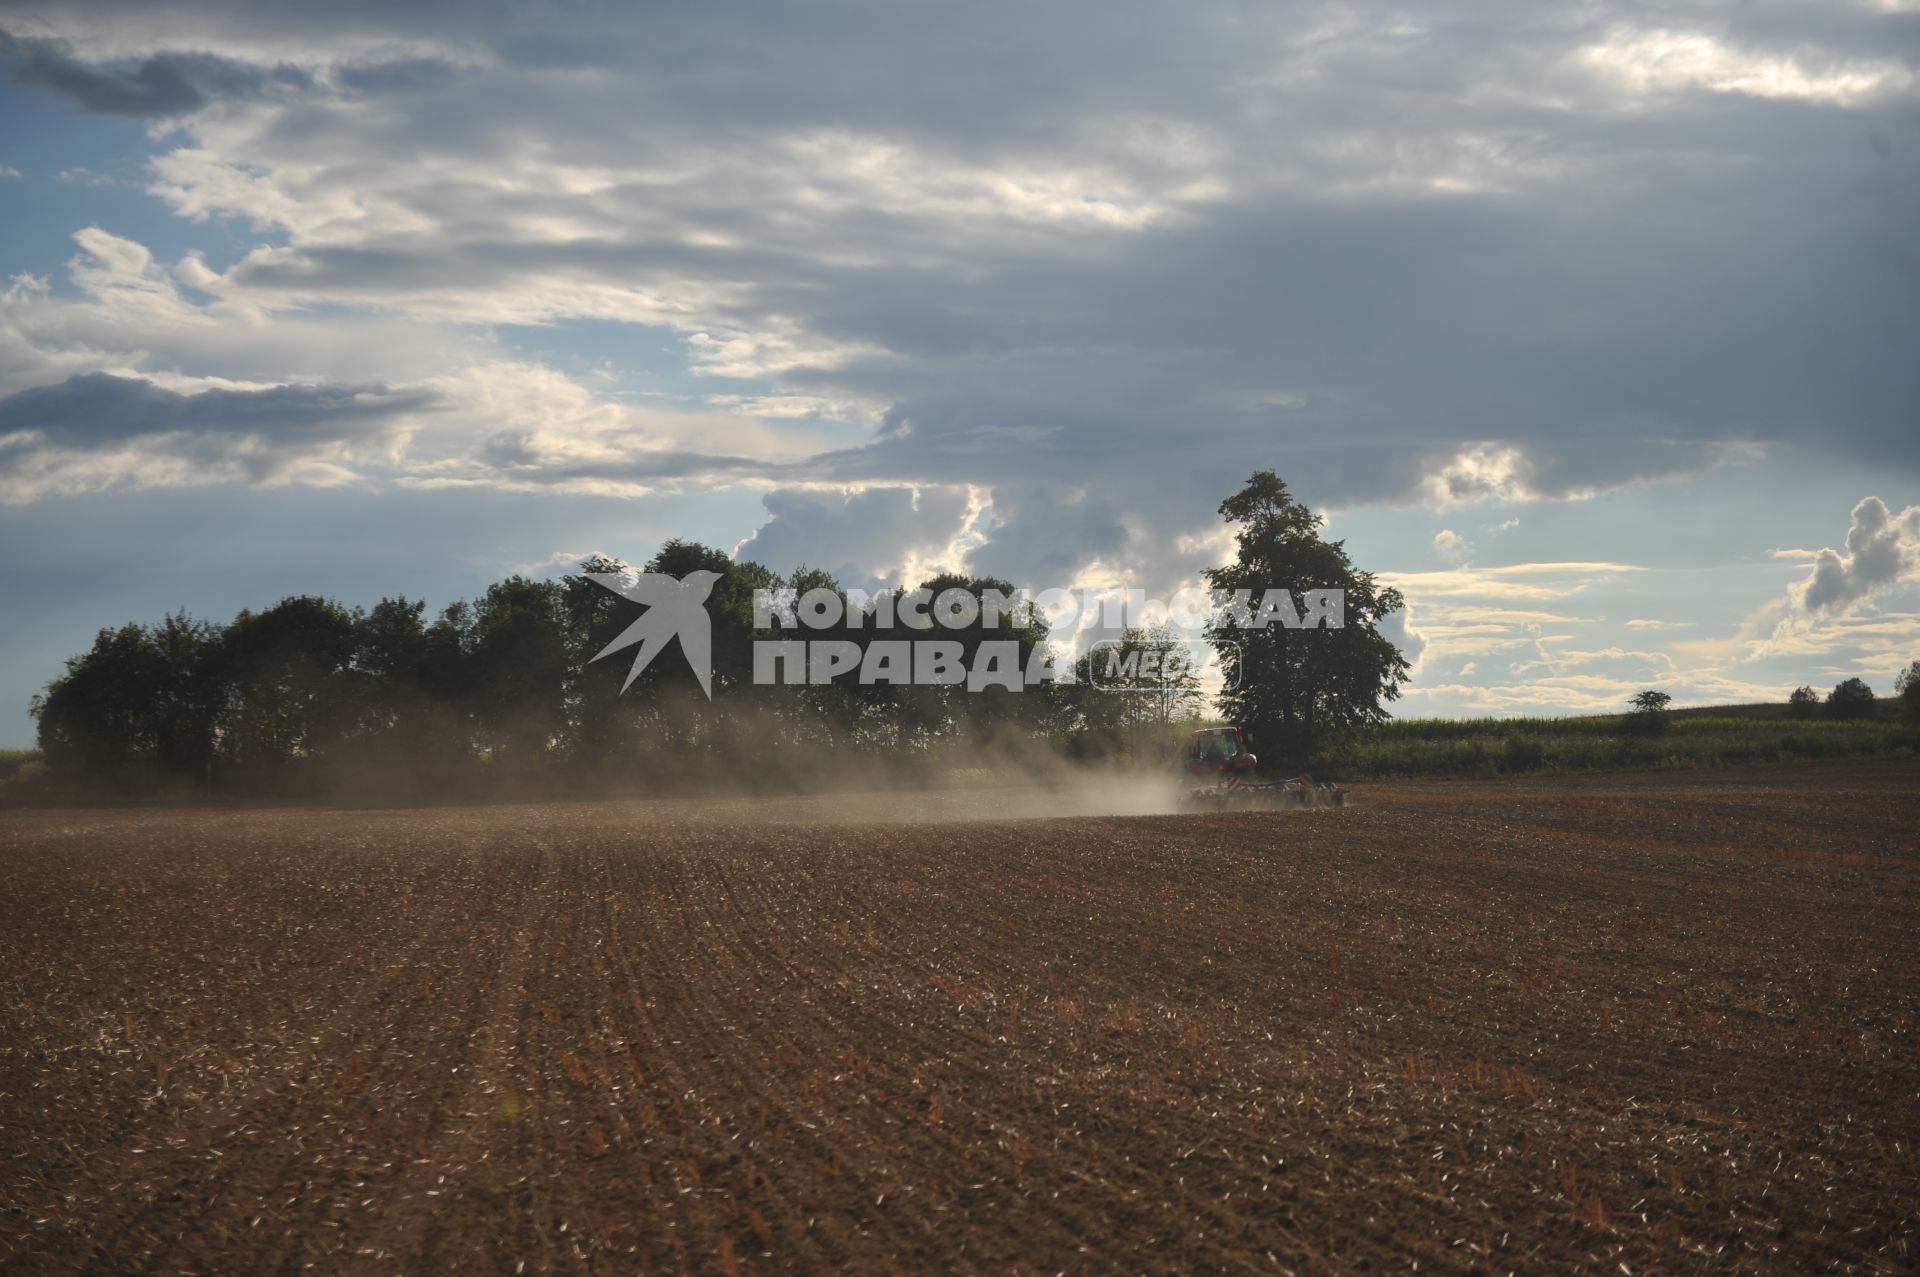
1640,1024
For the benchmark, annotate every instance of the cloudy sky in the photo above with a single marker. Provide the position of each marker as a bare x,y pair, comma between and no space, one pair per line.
1594,327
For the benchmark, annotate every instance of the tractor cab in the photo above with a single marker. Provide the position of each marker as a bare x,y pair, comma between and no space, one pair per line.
1223,777
1219,749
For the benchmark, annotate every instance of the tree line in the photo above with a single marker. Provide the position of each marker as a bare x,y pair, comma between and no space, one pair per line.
501,693
1851,698
312,697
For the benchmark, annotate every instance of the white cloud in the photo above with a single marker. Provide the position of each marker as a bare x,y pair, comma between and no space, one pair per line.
1511,582
868,538
1667,61
468,417
1452,547
1883,549
558,563
1414,642
1482,472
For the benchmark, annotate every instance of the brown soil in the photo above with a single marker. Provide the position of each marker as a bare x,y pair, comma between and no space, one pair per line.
1651,1024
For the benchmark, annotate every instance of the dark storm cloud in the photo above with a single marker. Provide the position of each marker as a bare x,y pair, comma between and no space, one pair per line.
401,75
162,85
1107,262
516,454
95,409
1834,29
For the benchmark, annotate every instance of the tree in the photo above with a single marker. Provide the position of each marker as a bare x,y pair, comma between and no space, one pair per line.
518,657
142,703
1137,687
1649,716
1651,702
412,731
1907,687
1288,687
663,726
954,711
729,604
1851,698
1168,685
836,712
1804,702
289,684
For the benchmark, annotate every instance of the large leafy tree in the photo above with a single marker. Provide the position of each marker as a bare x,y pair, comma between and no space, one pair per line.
1291,687
951,709
414,730
143,701
289,683
664,722
1851,698
517,657
729,607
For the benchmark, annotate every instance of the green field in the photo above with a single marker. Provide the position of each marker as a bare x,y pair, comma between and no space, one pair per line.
1705,737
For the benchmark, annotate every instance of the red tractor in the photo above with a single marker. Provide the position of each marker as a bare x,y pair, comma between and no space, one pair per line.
1222,770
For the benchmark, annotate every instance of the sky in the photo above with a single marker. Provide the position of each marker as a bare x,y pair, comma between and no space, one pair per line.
1595,329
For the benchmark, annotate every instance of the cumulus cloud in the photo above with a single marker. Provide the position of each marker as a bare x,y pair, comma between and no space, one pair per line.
1452,547
1883,549
867,538
1399,629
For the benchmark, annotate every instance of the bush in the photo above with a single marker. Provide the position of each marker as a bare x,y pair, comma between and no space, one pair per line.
1649,716
1907,688
1850,699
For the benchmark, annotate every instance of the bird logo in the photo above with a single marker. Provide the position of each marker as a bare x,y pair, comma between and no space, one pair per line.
676,608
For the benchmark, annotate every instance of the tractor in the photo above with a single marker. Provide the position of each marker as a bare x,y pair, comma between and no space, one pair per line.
1222,773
